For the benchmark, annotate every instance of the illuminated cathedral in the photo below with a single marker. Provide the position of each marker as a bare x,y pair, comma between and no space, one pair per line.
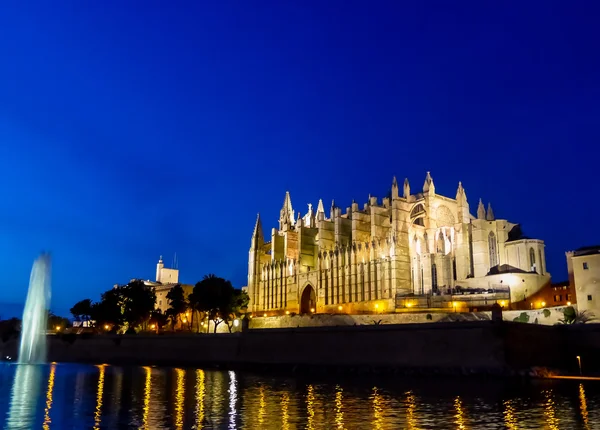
389,253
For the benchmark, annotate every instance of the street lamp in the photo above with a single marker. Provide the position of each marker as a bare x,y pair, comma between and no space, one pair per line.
579,362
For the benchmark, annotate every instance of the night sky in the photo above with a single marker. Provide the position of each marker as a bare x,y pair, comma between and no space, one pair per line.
134,129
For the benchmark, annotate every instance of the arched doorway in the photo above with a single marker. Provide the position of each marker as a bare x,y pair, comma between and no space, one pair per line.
308,300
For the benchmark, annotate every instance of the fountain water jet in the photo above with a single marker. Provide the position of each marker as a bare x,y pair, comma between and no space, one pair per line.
35,319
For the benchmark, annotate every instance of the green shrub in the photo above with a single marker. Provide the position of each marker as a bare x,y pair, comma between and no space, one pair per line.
523,318
546,313
429,317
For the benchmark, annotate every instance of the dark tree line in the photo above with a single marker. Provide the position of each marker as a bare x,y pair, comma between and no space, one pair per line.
132,306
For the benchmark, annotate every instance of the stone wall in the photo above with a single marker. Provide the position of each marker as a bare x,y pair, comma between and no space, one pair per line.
548,316
333,320
482,347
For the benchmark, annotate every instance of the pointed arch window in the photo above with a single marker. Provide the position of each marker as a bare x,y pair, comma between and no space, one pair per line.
493,250
541,263
441,244
532,259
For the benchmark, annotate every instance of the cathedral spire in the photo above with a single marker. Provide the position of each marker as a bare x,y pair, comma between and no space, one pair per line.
320,208
428,186
461,196
490,213
394,188
480,210
257,234
406,188
286,215
332,210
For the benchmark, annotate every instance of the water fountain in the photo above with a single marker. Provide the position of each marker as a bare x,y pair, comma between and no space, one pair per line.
35,319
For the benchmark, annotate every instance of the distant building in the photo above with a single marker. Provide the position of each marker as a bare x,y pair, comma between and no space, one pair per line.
584,272
166,279
551,295
376,258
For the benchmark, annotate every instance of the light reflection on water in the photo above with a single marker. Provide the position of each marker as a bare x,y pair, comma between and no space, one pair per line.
60,396
47,419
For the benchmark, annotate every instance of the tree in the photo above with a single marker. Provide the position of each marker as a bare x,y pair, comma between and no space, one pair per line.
194,306
214,296
158,318
109,310
82,310
139,300
235,308
177,303
10,329
55,321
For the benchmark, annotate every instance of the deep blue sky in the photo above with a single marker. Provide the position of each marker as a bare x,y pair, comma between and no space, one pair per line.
134,129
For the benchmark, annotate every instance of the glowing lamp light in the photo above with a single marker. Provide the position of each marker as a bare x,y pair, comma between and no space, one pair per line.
376,305
236,323
339,308
153,326
287,312
106,327
185,320
312,310
568,303
409,304
543,304
502,303
265,315
57,328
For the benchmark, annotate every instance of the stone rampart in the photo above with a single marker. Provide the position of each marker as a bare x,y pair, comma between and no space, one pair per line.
479,347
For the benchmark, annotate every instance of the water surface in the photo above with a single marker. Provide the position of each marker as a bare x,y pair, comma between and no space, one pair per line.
67,396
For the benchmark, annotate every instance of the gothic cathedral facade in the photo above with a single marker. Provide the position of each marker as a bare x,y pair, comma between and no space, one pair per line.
363,259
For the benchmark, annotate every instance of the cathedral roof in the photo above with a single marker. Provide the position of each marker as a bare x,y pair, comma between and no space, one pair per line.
504,268
516,233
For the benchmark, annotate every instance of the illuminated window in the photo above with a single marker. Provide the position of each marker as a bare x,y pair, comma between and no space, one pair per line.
568,297
532,259
558,298
585,266
493,251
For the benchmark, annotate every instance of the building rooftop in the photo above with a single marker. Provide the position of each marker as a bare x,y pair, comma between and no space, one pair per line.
586,250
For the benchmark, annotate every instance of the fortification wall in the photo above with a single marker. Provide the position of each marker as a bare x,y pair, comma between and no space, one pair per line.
482,346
